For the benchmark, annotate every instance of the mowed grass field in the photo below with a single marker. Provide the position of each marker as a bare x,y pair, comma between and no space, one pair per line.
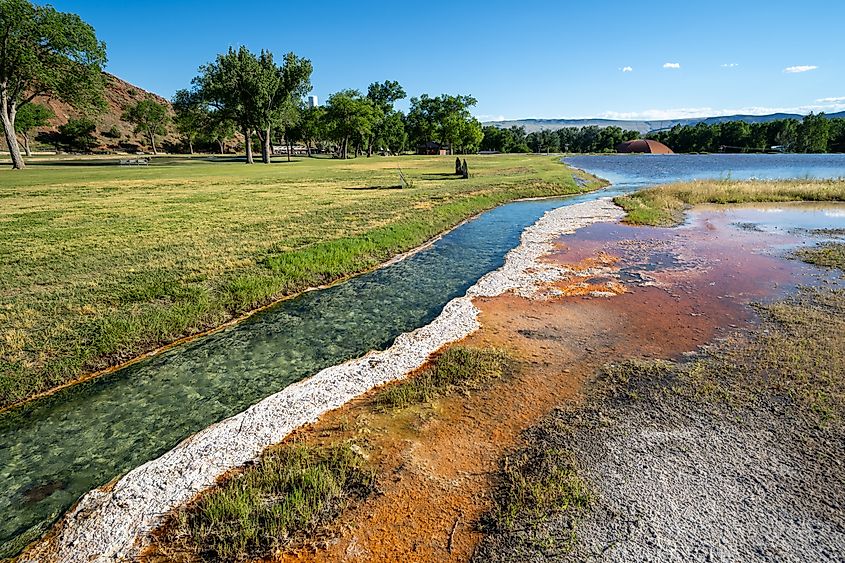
103,262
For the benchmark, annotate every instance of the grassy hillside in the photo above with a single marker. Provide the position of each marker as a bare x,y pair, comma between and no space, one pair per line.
102,262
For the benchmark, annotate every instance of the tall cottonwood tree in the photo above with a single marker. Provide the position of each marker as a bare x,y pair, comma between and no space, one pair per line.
44,52
149,118
254,92
445,119
389,130
350,118
281,89
229,85
190,116
29,117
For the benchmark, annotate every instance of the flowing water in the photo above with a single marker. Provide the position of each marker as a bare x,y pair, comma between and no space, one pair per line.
54,450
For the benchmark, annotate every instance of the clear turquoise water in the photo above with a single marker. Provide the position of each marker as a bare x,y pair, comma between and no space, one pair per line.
55,450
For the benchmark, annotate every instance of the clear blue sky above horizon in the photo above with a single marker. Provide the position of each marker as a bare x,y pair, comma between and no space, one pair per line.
613,58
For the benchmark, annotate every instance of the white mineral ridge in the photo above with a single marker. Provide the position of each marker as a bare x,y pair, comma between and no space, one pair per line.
113,523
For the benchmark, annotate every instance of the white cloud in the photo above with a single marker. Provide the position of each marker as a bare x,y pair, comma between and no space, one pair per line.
627,69
836,100
671,65
799,68
729,65
486,117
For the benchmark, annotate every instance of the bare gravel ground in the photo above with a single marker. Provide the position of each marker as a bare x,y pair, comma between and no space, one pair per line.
737,454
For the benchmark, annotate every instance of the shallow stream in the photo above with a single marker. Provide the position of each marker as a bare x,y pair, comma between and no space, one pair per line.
54,450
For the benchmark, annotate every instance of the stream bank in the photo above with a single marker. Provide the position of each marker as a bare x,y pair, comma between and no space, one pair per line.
604,294
113,522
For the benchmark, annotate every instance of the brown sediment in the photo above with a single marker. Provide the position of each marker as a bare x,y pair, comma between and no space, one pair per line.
670,291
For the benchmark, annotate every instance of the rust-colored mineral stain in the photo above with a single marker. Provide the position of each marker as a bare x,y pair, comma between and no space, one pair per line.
671,291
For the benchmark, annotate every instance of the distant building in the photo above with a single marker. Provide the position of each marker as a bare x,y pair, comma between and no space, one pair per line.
433,148
313,101
644,146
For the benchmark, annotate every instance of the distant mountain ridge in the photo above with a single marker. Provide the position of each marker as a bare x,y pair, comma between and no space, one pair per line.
643,126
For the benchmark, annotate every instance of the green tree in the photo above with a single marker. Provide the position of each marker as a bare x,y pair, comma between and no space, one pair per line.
219,128
190,116
229,85
813,133
45,53
149,118
391,132
295,83
736,135
389,127
78,134
350,118
470,136
836,140
29,117
441,119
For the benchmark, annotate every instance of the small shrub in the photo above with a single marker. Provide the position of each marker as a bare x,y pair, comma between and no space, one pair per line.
289,493
459,368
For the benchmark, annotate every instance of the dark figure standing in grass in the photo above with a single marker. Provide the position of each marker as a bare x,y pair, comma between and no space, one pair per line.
465,170
458,169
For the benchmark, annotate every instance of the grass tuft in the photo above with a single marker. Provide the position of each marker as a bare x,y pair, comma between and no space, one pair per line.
458,369
827,255
535,485
288,495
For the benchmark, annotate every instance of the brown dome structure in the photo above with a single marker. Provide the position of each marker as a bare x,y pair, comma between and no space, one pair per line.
644,146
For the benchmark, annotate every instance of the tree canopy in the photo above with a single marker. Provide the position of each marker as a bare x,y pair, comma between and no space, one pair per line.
29,117
150,118
190,116
254,92
45,53
350,118
814,133
444,119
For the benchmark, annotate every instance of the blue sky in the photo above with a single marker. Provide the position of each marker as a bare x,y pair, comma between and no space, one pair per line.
618,59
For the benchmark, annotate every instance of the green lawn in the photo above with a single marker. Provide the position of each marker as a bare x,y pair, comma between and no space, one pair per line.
103,262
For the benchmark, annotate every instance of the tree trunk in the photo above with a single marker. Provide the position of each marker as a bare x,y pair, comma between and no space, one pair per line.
153,142
220,144
248,145
308,148
290,147
26,148
8,118
191,147
345,147
266,147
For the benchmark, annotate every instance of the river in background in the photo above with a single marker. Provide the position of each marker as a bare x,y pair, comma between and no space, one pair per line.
56,449
639,170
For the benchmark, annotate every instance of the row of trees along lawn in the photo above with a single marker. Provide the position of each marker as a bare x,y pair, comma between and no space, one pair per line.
240,95
815,133
569,139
